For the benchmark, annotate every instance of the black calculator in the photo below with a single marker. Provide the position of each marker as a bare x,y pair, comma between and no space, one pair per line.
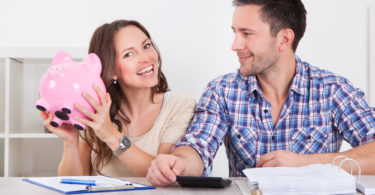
203,182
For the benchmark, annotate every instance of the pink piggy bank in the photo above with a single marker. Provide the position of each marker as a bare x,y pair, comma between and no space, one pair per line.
62,85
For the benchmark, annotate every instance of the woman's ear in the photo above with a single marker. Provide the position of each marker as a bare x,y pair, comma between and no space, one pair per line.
285,39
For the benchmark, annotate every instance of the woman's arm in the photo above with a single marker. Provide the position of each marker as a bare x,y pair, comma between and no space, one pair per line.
76,157
134,158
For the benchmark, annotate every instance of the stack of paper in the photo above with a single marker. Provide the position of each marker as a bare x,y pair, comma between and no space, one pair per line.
366,184
311,179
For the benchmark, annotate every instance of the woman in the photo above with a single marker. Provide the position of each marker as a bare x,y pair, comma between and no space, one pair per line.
136,120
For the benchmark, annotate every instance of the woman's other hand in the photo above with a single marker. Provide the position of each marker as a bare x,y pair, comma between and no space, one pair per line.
100,120
66,132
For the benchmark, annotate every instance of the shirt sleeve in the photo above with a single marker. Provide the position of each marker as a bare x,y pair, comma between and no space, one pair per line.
353,117
178,125
208,127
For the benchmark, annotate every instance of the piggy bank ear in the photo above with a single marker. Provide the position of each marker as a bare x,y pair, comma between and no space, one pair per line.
61,58
92,61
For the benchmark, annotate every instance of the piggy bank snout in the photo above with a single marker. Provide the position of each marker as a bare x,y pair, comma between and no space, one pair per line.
42,105
61,115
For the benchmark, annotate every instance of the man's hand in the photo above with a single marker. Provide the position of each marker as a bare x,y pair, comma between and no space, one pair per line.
164,169
281,158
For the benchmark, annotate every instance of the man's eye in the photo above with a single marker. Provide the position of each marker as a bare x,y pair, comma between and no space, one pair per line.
148,45
128,54
247,33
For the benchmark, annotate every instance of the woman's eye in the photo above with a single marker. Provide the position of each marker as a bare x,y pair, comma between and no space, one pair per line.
128,54
148,45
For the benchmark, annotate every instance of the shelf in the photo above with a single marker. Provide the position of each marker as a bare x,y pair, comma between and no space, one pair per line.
32,121
15,87
23,116
34,157
40,53
32,135
25,148
2,96
2,159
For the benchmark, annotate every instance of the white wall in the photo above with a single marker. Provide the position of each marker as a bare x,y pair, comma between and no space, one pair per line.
194,36
337,38
190,39
371,80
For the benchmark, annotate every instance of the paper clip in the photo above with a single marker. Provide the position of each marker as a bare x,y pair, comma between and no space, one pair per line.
350,160
110,187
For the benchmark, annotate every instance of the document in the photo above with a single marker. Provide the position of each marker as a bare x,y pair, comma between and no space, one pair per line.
102,184
366,184
310,179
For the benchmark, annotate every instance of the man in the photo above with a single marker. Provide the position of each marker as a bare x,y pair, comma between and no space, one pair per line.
277,110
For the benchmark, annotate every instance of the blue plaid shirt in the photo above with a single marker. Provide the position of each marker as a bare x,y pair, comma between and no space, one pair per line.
321,110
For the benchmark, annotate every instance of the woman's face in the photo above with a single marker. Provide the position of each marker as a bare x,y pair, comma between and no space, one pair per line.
136,59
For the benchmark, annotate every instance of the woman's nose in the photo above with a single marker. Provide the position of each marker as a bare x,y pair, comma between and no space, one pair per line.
143,57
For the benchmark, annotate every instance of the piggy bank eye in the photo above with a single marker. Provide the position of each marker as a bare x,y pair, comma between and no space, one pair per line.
54,70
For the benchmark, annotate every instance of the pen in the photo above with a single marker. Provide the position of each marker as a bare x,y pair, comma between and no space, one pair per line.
110,187
78,181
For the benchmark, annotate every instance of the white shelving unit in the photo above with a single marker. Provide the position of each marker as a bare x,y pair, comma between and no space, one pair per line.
25,148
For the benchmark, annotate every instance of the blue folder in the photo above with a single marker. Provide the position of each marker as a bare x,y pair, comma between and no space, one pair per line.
53,183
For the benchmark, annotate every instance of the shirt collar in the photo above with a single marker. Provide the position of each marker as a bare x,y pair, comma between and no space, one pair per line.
248,83
300,79
299,83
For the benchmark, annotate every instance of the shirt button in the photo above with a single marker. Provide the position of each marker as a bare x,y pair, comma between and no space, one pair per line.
238,136
265,111
273,138
308,137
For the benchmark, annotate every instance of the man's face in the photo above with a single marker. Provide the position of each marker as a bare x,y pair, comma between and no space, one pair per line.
253,42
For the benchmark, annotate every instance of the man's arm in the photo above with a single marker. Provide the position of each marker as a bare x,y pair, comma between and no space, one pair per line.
184,160
194,153
194,164
364,155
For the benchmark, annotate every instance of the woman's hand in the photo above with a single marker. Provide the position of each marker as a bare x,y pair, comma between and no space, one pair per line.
66,132
100,121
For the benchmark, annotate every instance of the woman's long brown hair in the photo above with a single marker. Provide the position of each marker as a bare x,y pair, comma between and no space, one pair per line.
102,44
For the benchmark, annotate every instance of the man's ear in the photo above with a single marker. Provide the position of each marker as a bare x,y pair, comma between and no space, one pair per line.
285,39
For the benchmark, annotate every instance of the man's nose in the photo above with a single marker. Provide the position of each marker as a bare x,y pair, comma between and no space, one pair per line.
238,43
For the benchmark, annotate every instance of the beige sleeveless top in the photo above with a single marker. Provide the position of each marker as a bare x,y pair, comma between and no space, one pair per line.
170,125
